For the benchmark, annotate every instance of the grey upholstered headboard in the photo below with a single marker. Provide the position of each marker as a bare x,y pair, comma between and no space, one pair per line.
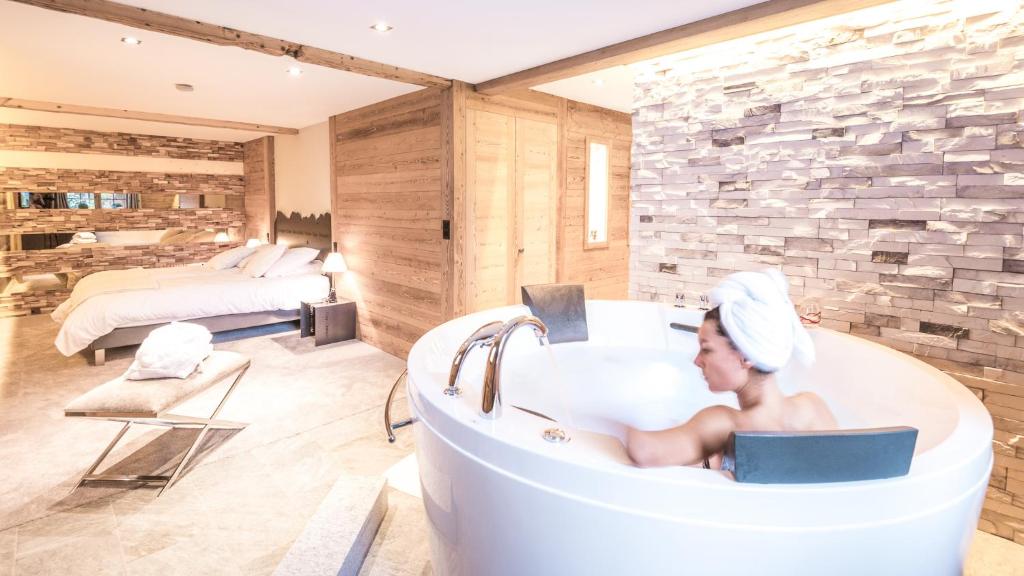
299,230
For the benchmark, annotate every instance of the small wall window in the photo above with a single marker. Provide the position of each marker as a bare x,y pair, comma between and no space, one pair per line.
598,189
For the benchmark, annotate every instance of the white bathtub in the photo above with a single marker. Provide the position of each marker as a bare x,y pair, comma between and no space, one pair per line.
503,501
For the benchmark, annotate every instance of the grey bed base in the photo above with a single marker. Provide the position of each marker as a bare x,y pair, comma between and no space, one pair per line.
132,335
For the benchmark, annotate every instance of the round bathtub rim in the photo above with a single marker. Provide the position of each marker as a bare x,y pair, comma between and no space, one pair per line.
937,460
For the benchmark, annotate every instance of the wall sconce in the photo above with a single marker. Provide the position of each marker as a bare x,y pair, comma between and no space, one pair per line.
221,237
333,264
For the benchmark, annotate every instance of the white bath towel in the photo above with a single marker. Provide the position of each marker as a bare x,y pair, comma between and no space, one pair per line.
171,351
759,317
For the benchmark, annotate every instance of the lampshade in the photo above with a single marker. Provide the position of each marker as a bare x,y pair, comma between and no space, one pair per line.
252,243
334,264
221,237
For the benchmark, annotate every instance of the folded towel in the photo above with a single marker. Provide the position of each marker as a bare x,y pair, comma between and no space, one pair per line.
85,235
759,317
171,351
77,240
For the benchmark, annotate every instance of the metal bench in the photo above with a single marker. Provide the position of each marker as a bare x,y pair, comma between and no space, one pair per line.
148,402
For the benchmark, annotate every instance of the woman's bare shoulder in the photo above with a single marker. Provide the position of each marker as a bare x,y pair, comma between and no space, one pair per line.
811,412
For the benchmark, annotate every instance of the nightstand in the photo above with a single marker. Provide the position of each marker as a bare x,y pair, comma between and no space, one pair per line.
328,322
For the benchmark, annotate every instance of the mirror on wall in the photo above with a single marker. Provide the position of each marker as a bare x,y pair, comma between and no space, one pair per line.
598,180
117,200
62,240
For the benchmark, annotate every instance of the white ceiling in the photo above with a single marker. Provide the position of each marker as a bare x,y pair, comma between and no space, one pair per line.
47,55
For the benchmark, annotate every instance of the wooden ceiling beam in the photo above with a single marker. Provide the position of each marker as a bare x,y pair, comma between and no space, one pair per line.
224,36
146,116
754,19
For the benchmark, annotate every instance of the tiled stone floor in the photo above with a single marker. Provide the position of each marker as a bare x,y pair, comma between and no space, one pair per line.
315,417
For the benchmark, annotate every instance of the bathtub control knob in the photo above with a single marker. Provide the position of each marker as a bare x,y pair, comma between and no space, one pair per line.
556,436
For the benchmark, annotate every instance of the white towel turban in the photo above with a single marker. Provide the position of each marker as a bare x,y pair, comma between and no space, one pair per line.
758,316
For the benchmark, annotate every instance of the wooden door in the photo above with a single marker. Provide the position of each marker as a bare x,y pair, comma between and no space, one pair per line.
536,204
490,192
512,196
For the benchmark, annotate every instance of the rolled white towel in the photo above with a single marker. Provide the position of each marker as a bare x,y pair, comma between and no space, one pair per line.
171,351
85,235
759,317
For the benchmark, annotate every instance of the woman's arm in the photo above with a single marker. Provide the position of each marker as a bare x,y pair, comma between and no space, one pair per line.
703,435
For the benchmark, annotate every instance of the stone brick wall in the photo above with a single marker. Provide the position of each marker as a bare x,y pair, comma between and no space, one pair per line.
30,221
878,160
66,180
46,139
157,190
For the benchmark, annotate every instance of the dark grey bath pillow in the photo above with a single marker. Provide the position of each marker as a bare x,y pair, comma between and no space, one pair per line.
561,307
823,456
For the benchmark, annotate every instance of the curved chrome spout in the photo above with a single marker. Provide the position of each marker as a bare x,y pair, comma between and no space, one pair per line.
483,336
491,405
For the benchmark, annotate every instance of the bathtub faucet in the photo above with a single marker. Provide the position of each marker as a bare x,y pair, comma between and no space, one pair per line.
483,337
492,375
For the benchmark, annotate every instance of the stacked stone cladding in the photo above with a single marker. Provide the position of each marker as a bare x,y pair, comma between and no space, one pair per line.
32,221
47,139
68,180
878,160
157,190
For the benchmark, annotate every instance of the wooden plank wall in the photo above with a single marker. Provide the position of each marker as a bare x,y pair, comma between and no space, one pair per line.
401,167
604,271
387,217
260,209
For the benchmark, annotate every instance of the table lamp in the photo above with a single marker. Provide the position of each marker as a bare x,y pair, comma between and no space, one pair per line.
253,243
333,264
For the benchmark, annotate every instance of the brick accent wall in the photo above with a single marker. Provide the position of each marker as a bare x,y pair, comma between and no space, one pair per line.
878,160
66,180
157,190
46,139
29,221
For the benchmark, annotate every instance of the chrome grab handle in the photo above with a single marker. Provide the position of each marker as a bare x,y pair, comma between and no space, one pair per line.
388,426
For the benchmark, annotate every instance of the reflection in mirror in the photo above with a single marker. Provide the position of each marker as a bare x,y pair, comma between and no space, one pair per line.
76,200
49,240
597,175
118,200
46,282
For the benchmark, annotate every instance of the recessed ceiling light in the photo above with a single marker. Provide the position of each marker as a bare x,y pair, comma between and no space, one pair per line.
598,82
382,27
131,40
294,71
184,87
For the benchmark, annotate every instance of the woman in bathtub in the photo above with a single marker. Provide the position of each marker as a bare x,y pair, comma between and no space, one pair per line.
750,334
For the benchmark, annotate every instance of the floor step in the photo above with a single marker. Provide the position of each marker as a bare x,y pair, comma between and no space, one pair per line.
341,532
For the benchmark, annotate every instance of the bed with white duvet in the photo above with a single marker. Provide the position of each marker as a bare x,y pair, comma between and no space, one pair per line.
104,301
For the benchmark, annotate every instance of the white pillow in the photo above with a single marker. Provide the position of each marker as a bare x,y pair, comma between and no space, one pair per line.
313,267
263,258
228,258
292,259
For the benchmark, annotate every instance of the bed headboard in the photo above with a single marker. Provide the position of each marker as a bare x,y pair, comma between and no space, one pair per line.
299,230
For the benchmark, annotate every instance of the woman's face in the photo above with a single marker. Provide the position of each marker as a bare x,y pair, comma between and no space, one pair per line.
723,366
